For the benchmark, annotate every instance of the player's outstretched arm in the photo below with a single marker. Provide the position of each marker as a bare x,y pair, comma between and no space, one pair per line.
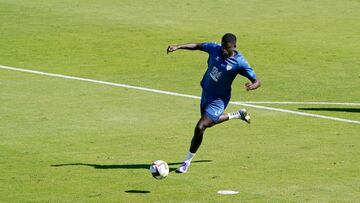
189,46
253,85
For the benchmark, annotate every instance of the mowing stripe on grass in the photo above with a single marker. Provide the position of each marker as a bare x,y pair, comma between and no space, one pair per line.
175,94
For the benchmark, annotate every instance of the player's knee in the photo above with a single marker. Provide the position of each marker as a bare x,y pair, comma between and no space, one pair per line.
201,126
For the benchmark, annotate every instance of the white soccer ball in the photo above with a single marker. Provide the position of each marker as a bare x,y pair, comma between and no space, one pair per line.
159,169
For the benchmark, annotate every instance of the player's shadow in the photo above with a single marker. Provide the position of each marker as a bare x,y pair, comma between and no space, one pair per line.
350,110
125,166
138,191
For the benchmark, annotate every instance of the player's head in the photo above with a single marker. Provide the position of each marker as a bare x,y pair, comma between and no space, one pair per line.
228,45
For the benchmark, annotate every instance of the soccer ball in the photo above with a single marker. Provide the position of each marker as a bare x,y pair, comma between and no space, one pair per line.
159,169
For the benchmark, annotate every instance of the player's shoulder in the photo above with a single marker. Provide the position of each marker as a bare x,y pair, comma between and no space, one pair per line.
239,57
210,44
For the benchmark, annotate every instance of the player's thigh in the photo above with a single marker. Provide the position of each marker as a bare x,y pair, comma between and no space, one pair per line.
202,111
205,122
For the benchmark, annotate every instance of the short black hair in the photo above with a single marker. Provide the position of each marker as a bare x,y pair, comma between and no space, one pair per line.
229,38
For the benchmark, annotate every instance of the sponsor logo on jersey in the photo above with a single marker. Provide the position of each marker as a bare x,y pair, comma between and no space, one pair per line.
215,74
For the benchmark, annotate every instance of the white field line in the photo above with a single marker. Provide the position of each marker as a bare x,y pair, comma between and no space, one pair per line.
296,112
99,82
175,94
305,103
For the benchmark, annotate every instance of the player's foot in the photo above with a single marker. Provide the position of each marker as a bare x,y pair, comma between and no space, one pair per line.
184,167
244,115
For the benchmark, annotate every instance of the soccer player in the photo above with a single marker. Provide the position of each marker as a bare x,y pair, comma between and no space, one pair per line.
224,64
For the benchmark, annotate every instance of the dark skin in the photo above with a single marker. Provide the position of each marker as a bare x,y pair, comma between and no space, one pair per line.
227,50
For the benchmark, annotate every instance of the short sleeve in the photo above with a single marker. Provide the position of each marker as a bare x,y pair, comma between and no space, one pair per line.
208,46
246,70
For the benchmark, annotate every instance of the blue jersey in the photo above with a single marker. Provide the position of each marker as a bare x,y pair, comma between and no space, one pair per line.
221,72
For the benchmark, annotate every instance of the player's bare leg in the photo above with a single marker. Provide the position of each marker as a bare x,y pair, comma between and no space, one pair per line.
206,122
200,128
203,123
240,114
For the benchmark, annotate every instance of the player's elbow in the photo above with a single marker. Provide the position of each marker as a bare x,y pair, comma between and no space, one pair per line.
197,46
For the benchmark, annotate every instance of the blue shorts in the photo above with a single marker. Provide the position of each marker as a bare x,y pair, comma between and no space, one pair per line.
214,106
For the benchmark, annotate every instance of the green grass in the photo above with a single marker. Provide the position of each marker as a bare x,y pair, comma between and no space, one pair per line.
73,141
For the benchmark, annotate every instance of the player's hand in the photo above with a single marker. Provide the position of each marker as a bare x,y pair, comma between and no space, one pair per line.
252,86
248,86
171,48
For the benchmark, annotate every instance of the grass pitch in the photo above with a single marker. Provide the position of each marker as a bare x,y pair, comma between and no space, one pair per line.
73,141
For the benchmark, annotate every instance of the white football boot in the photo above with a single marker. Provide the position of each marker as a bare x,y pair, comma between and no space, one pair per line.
184,167
244,115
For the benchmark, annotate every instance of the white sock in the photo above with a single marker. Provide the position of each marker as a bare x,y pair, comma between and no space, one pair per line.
189,157
233,115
